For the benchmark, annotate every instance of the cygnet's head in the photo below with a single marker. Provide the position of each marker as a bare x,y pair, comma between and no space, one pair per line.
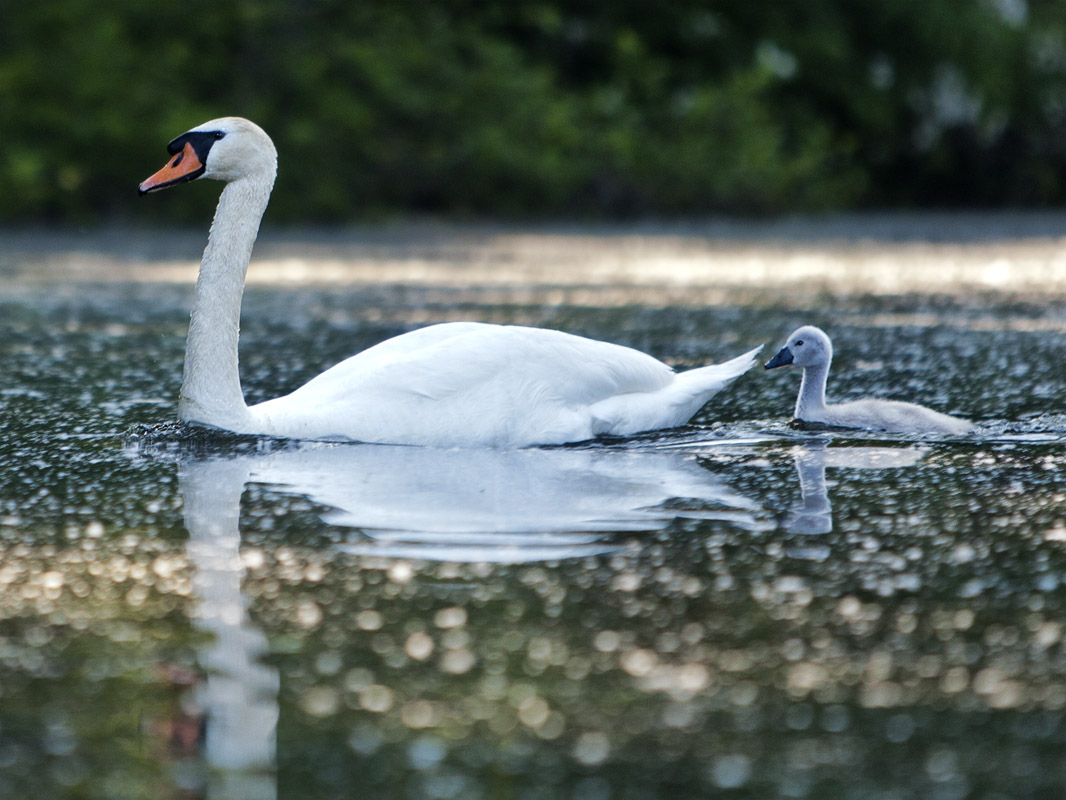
226,149
806,347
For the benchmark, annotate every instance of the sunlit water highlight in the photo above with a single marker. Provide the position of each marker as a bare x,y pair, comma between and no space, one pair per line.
737,608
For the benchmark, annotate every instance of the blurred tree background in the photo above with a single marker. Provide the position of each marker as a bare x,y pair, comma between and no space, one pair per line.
527,108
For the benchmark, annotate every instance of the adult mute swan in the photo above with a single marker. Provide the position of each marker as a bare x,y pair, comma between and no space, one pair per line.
454,384
809,347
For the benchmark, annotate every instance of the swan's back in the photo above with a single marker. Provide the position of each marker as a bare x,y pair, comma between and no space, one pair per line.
449,359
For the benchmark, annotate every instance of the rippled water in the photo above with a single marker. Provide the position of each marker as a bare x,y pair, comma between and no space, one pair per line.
733,609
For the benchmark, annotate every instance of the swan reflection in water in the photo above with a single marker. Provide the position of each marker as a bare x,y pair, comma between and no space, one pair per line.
239,694
814,513
504,506
462,505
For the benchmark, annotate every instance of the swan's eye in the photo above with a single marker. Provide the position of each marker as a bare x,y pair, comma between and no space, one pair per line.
799,343
219,135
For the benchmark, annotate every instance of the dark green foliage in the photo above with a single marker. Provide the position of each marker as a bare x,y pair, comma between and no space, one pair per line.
535,108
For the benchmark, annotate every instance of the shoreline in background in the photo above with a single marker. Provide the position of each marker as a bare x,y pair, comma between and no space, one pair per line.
685,262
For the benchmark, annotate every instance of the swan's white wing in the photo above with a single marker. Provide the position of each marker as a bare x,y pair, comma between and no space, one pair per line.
463,358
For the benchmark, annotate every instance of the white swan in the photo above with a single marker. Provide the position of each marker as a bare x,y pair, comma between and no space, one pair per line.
453,384
809,347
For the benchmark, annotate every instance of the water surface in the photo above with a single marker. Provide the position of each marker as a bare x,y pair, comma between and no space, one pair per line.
734,609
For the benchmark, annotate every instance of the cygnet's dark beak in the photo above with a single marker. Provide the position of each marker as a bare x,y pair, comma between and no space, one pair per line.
782,359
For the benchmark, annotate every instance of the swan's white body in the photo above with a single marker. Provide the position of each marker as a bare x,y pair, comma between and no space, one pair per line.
467,383
455,384
809,347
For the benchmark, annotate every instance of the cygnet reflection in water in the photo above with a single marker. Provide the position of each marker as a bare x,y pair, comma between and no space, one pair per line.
494,506
814,513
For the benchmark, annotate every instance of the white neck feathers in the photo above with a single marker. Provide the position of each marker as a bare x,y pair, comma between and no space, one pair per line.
211,390
811,400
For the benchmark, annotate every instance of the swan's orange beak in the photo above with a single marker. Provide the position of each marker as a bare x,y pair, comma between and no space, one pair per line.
185,166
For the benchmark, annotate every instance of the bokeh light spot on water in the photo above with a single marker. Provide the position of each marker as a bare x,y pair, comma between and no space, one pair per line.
731,771
592,748
419,646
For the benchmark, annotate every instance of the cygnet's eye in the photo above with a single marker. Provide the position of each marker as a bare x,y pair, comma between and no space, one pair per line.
799,343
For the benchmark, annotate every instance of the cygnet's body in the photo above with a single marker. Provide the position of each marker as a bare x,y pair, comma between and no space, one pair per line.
809,347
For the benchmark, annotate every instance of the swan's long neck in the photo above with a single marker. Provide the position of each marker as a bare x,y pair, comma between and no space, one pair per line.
211,390
811,398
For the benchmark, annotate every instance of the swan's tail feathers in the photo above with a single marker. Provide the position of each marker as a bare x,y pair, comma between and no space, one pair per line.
706,381
626,414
